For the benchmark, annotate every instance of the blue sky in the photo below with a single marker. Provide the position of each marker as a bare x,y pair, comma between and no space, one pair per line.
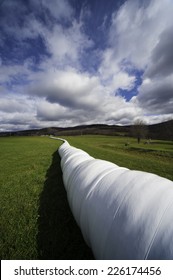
71,62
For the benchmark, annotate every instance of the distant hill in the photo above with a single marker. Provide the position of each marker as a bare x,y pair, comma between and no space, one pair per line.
163,131
96,129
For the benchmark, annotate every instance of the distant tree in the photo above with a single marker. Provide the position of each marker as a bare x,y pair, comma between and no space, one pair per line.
139,130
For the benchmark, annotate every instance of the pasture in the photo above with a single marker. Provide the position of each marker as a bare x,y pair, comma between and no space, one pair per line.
35,220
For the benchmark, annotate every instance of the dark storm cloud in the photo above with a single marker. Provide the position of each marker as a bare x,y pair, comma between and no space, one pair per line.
157,96
162,56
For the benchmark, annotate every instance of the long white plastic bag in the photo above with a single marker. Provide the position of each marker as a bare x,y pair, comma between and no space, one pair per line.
122,214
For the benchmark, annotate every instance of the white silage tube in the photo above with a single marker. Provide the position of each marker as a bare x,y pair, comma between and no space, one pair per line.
123,214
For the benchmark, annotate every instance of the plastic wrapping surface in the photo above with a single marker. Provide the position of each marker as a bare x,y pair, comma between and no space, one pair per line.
123,214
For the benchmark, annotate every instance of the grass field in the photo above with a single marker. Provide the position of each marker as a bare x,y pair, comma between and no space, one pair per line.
35,220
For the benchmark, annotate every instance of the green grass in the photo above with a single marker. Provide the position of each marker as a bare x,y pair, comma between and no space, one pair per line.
35,219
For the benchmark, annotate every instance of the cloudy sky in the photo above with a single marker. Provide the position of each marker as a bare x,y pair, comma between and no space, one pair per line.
70,62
